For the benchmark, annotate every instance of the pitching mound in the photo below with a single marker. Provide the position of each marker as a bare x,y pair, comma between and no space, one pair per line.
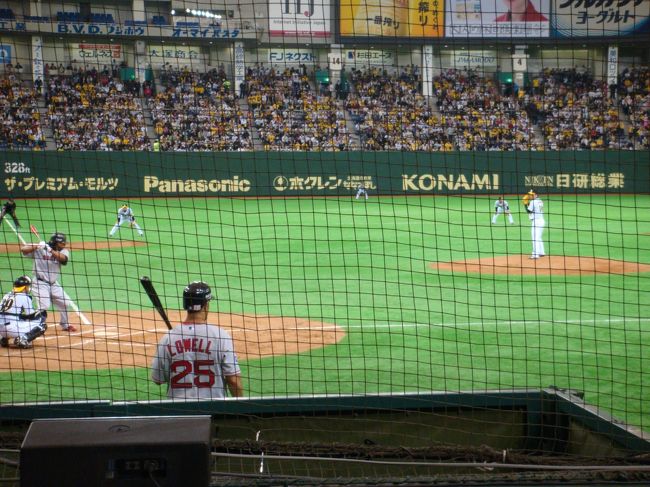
128,339
99,245
548,265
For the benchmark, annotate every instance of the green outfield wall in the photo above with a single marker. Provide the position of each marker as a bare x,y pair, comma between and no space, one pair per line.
143,174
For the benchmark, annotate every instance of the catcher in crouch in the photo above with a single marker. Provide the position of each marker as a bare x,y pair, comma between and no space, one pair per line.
18,320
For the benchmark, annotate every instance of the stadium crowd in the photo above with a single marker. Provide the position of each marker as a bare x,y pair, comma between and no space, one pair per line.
90,109
20,124
634,93
290,115
199,112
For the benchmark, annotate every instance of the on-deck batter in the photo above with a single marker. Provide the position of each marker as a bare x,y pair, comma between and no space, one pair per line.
197,360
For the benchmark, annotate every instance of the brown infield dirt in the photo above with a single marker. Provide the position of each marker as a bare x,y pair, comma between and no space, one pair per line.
563,265
119,339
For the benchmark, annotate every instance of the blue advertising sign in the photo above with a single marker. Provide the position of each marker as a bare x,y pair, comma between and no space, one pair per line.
5,53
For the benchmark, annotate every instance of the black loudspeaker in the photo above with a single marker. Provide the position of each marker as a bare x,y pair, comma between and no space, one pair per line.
154,451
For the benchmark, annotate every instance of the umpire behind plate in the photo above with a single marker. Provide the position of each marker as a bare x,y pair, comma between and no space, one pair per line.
197,360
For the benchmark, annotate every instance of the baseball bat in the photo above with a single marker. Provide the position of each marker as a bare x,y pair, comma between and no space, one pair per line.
32,229
155,299
20,237
76,309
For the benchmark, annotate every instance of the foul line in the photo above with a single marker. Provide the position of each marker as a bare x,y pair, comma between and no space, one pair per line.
496,322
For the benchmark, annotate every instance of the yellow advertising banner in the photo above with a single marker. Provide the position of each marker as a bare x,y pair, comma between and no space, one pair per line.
392,18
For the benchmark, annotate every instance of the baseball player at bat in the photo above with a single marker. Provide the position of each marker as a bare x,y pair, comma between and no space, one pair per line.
125,215
48,259
197,360
19,323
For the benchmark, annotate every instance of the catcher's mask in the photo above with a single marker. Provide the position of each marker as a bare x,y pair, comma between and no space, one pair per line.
22,284
195,295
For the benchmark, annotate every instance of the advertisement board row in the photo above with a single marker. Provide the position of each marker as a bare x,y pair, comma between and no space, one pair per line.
460,18
118,175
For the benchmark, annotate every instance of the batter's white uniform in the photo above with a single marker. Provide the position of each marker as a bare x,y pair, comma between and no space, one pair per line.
536,216
12,307
125,215
361,190
501,206
194,359
45,285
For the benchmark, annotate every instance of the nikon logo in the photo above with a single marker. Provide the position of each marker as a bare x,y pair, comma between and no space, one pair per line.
451,182
234,185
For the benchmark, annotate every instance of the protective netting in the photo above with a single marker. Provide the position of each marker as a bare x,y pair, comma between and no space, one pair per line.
383,197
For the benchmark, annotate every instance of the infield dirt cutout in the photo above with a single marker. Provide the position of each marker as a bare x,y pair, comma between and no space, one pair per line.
128,338
548,265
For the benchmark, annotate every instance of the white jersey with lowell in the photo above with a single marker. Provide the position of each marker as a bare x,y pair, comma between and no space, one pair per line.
46,267
194,359
536,211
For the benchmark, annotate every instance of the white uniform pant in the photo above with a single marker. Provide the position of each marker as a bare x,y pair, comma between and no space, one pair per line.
47,294
15,328
499,211
121,222
362,192
536,232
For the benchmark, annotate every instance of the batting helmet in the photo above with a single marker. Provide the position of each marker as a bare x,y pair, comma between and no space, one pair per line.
57,238
21,283
195,295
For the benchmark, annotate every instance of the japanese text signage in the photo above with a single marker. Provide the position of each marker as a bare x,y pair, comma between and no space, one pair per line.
575,180
369,57
97,53
321,183
160,53
578,18
118,30
291,56
392,18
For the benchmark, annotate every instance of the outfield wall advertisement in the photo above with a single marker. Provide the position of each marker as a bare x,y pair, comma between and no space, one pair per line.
119,175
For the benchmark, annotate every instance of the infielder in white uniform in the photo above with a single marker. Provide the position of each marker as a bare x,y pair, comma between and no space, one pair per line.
501,206
535,211
18,320
361,190
197,360
48,259
125,215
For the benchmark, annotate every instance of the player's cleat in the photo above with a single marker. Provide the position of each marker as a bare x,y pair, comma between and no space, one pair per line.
69,328
22,342
4,342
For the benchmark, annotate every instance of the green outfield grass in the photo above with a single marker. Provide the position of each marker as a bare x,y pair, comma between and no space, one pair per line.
364,266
